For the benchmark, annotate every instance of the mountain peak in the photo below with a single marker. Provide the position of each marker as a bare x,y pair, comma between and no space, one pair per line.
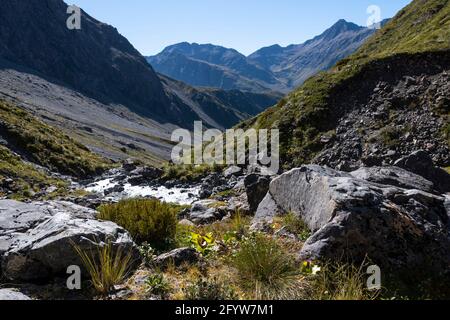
340,27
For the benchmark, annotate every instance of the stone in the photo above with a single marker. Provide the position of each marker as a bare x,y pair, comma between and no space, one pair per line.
12,295
256,187
36,239
177,257
396,228
421,163
206,212
394,176
232,171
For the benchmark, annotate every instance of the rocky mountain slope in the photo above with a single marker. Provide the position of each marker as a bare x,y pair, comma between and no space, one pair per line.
271,68
390,98
92,84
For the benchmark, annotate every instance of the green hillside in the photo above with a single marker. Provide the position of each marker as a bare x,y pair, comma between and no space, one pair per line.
44,145
305,115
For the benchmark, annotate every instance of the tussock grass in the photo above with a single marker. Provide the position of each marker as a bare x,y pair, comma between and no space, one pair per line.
266,268
106,266
340,281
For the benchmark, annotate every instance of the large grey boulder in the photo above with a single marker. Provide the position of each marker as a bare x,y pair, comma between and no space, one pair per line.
36,239
12,295
355,218
206,212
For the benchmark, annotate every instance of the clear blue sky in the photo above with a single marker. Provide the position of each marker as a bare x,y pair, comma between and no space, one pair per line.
245,25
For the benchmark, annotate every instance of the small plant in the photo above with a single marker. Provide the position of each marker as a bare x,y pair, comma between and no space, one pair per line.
202,243
265,267
157,285
210,289
147,253
106,266
147,220
297,226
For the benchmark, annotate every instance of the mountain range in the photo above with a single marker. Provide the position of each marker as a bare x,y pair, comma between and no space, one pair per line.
94,85
273,68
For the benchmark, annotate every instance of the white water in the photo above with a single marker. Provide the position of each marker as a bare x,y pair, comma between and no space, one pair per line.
181,196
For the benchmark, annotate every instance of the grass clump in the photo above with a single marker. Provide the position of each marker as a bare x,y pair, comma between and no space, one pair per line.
266,268
147,220
189,173
295,225
210,290
107,267
341,282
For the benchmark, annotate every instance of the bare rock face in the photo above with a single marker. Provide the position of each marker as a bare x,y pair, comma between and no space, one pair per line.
177,257
396,227
36,239
256,187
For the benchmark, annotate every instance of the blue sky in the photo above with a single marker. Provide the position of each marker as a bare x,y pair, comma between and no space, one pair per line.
245,25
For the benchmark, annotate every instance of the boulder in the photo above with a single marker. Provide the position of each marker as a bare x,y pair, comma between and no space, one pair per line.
206,212
36,239
421,163
12,295
177,257
256,187
394,176
354,218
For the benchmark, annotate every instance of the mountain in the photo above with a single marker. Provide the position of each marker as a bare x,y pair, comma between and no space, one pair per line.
296,63
212,66
271,68
218,108
96,87
387,100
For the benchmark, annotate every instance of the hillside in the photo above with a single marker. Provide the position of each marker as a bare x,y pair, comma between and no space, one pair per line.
398,80
271,68
96,87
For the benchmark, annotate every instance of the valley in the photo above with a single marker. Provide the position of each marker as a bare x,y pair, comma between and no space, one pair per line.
87,178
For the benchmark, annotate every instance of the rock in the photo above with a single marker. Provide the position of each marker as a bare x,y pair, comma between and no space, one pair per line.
129,165
256,187
212,183
232,171
148,173
206,212
36,238
267,209
12,295
394,176
395,227
420,163
177,257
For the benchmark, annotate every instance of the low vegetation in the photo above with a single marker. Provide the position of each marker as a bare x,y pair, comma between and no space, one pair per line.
25,179
210,290
266,268
106,266
47,146
189,173
147,220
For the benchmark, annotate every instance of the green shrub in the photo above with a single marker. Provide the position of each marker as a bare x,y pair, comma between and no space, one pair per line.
266,267
147,220
211,290
158,285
